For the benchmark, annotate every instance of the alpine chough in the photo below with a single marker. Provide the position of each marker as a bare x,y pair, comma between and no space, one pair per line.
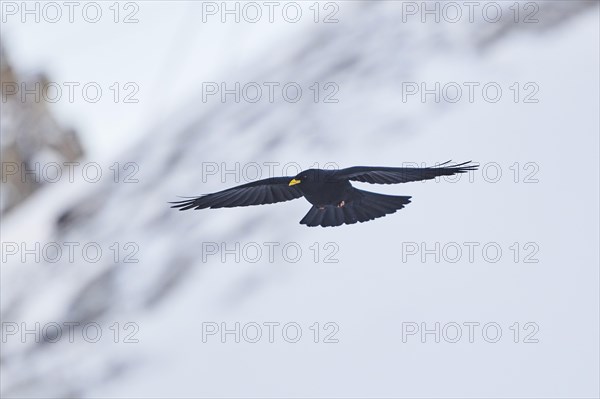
334,200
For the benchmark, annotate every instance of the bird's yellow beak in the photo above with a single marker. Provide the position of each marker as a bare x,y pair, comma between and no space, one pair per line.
294,182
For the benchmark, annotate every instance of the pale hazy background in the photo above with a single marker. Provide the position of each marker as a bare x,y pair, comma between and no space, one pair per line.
170,133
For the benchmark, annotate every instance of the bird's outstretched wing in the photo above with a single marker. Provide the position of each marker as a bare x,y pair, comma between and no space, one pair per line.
386,175
266,191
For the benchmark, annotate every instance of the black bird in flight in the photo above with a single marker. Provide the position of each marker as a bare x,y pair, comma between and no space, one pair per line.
335,201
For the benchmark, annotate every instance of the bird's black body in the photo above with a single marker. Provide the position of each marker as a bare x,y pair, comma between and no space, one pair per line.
323,189
335,201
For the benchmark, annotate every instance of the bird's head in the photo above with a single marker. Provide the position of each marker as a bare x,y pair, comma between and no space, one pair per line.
307,176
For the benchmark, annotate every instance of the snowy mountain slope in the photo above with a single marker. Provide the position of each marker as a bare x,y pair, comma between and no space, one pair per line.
370,291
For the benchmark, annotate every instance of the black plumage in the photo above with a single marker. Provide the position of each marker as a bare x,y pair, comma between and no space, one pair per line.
335,201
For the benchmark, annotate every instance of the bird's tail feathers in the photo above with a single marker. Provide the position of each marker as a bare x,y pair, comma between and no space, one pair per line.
366,206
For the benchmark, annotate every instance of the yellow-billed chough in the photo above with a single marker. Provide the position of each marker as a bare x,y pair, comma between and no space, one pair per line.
335,201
